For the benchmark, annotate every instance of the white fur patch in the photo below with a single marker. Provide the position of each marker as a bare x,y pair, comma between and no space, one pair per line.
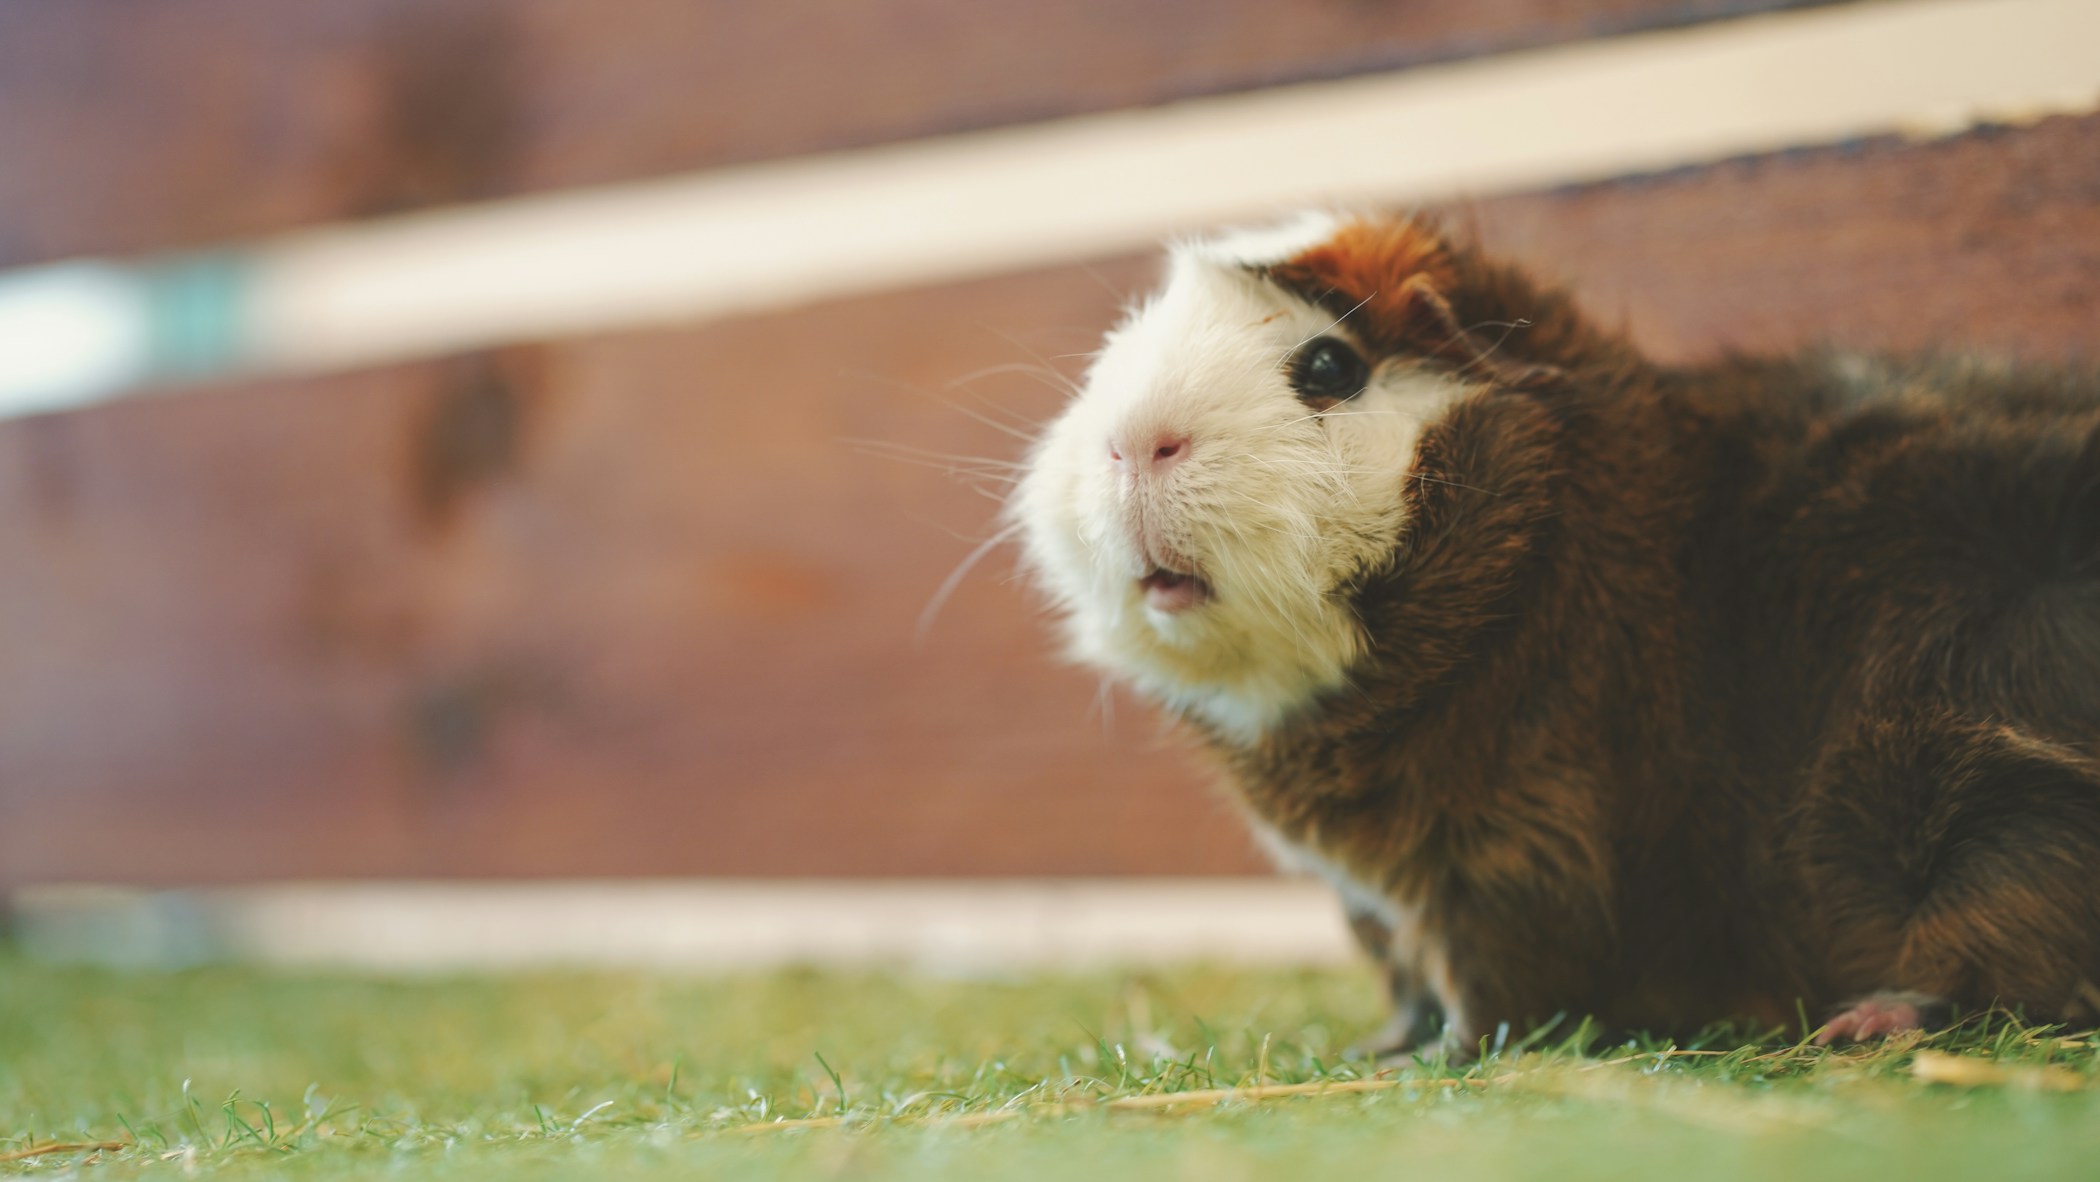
1277,505
1358,897
1259,245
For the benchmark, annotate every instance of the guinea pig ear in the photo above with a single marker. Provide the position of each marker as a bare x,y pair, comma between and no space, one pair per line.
1447,336
1387,278
1406,290
1362,273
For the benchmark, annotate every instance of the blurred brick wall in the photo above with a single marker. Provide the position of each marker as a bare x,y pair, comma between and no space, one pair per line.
130,126
646,604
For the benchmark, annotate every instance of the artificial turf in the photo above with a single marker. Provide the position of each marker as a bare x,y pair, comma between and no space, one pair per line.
229,1072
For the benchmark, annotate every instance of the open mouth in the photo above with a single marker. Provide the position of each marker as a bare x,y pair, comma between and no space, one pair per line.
1172,591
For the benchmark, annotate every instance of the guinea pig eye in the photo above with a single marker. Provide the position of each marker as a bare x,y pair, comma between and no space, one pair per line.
1328,370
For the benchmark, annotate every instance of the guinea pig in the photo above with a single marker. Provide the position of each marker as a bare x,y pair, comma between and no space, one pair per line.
1595,686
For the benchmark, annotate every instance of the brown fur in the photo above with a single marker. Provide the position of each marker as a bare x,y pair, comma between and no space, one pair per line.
1694,693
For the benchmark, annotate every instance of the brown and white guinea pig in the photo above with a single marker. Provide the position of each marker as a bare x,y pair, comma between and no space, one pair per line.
1597,686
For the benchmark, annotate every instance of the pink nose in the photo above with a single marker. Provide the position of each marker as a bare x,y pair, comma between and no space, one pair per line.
1159,453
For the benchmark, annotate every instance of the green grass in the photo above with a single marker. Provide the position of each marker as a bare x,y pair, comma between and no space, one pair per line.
240,1073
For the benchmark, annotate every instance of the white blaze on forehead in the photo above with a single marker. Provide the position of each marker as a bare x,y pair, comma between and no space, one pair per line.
1280,505
1260,245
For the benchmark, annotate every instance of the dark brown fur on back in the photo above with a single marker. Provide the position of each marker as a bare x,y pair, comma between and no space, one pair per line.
1697,693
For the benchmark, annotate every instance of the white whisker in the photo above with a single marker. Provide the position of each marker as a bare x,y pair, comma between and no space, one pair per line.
1057,381
1025,434
994,480
955,578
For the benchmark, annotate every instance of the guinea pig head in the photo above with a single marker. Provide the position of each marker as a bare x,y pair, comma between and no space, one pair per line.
1236,463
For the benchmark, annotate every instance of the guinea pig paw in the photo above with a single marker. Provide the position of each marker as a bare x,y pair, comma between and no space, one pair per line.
1398,1039
1412,1027
1879,1015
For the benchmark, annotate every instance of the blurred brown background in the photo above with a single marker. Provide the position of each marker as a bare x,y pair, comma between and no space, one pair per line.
646,604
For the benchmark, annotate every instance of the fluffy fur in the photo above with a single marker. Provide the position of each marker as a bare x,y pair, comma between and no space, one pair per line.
1278,504
1662,695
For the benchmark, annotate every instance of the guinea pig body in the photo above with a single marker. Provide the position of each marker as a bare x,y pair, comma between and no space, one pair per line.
1662,695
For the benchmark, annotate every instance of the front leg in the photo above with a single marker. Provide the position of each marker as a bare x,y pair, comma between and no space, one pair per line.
1416,1016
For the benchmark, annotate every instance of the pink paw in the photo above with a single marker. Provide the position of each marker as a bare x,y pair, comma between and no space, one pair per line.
1878,1015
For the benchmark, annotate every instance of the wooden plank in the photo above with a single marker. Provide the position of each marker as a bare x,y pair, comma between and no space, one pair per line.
637,606
1988,240
632,606
129,127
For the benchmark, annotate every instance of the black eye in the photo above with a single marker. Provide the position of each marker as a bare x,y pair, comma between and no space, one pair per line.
1328,370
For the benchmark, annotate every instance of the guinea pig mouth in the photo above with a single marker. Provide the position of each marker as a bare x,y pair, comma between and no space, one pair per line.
1172,591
